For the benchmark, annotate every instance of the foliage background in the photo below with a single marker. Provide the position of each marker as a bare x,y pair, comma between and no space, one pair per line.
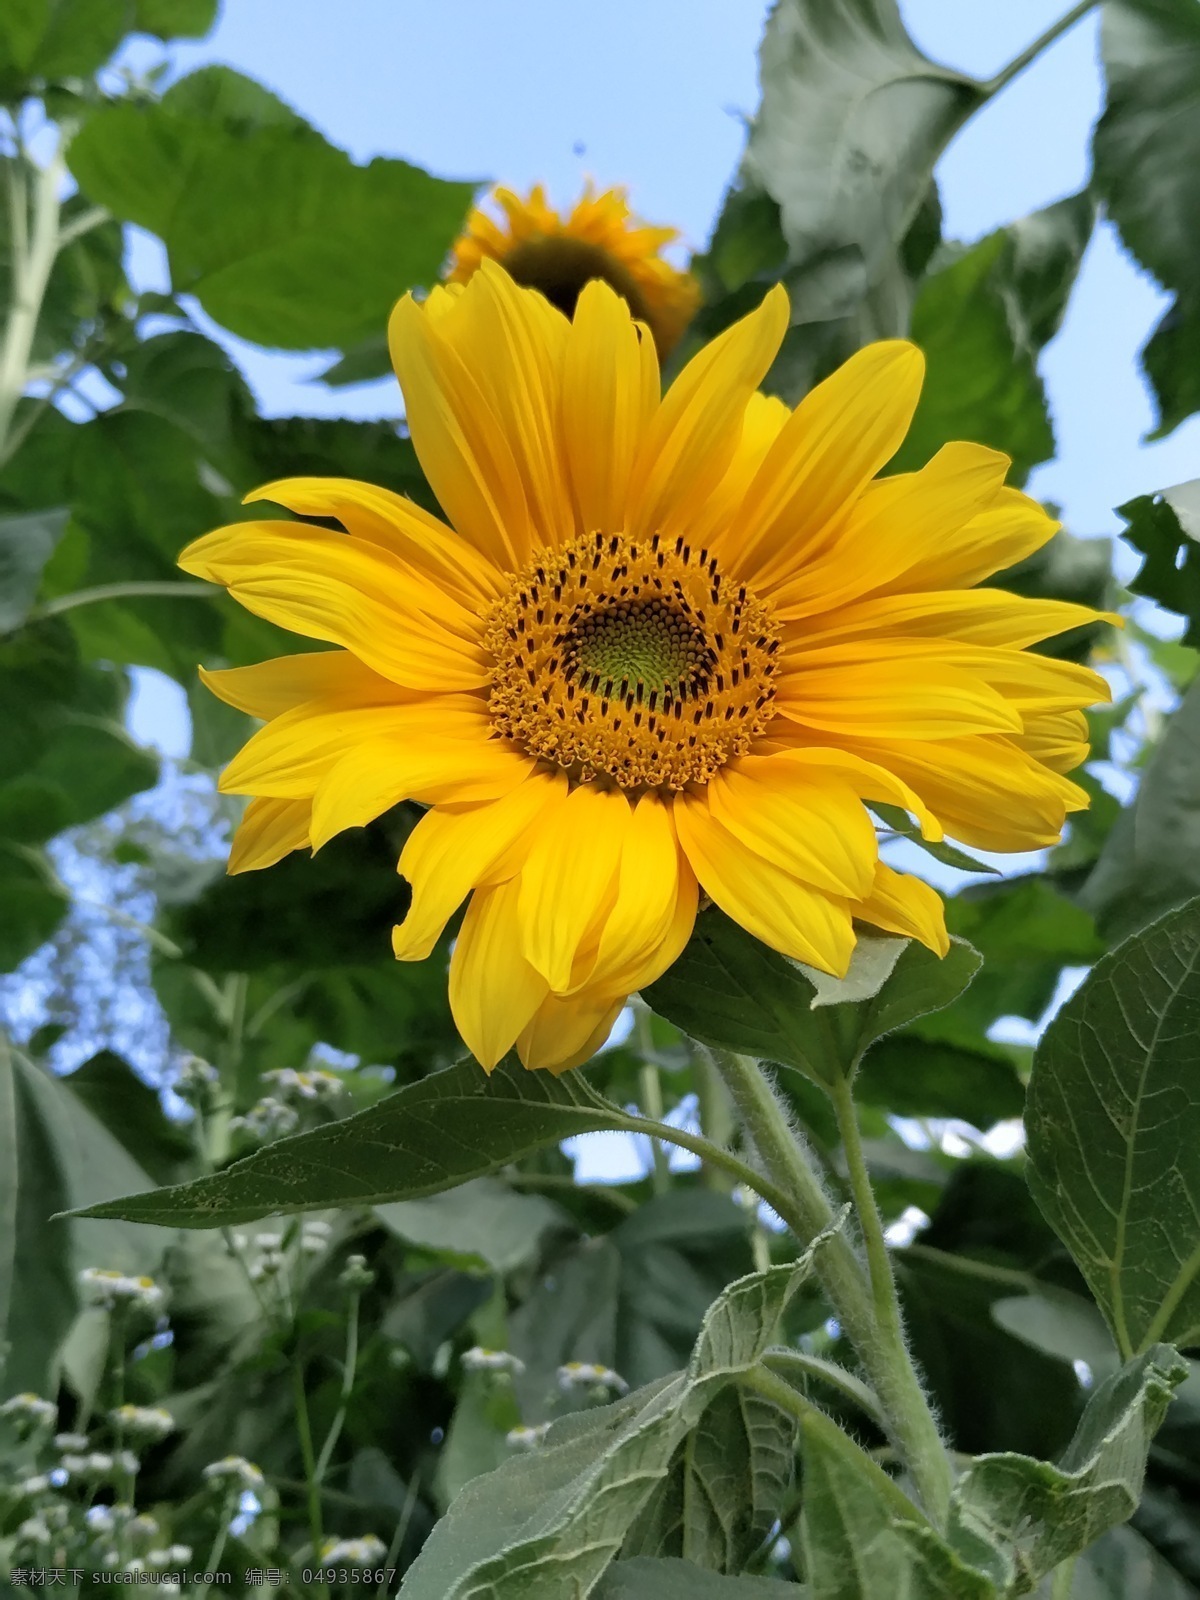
247,230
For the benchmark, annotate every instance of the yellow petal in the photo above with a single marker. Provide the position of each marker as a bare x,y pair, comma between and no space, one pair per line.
569,878
564,1033
872,691
268,831
514,341
716,524
646,900
1057,739
269,688
333,587
894,524
836,440
899,903
869,781
494,991
1033,684
987,792
606,406
1011,528
769,903
406,530
694,435
645,966
801,819
458,440
450,852
975,616
289,757
432,769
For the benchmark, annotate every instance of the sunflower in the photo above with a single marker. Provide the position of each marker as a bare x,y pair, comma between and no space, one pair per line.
601,238
662,644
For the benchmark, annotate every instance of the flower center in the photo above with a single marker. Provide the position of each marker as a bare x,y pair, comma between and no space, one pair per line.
633,660
559,267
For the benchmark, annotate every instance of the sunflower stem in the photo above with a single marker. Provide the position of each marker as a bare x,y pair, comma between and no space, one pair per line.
1043,42
880,1347
1064,1575
35,243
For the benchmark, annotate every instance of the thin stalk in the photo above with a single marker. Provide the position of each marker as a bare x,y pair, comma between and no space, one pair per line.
165,588
724,1160
650,1093
1064,1576
217,1550
1043,42
807,1212
316,1532
879,1263
34,249
393,1554
716,1113
349,1366
788,1362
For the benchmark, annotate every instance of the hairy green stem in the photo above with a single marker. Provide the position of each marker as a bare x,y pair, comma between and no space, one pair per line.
650,1095
807,1211
1043,42
34,244
787,1363
212,1561
1064,1576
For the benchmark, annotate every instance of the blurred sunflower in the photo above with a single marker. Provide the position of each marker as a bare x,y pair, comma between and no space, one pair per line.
663,642
558,255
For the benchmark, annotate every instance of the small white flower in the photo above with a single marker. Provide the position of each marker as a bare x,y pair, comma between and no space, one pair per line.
75,1466
145,1422
526,1438
100,1519
480,1359
71,1441
106,1288
34,1530
365,1552
97,1465
31,1408
35,1485
126,1461
175,1555
314,1236
589,1375
180,1554
143,1526
356,1274
234,1469
135,1565
269,1241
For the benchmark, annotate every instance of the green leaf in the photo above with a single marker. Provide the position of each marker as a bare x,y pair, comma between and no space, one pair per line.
484,1221
1124,1566
175,19
553,1520
26,544
281,237
1147,163
733,992
1018,1518
132,1112
53,1155
644,1578
863,1538
365,363
1113,1123
981,321
34,901
50,39
909,1076
848,184
1165,527
725,1488
430,1136
897,821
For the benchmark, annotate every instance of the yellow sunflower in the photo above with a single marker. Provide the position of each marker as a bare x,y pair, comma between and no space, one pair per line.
601,238
662,643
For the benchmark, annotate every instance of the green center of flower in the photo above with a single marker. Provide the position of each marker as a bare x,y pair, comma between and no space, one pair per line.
634,643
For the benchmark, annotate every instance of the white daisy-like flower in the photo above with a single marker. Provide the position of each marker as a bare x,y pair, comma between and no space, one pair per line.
107,1288
365,1552
590,1375
526,1438
480,1359
145,1422
31,1408
234,1469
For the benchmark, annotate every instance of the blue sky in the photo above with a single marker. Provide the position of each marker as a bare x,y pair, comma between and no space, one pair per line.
655,96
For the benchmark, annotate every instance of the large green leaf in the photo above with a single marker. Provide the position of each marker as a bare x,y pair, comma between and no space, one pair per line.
1113,1122
1147,159
49,39
733,992
1017,1518
551,1522
836,182
281,237
429,1136
981,321
34,901
132,1112
54,1155
862,1538
26,544
1165,527
725,1488
645,1578
484,1221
